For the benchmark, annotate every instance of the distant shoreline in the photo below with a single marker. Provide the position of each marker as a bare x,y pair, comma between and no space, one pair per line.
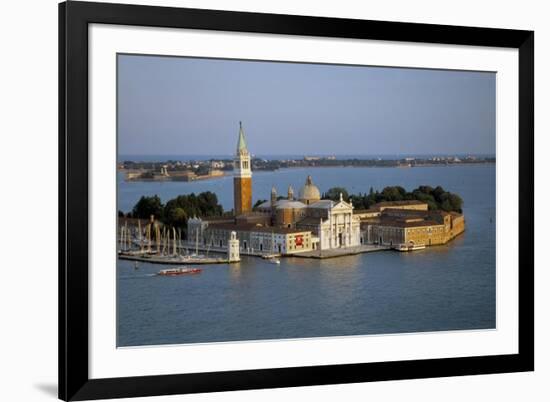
177,175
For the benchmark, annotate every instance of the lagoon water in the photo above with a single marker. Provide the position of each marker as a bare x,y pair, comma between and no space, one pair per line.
442,288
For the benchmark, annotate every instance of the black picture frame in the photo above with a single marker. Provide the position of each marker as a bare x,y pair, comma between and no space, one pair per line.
74,381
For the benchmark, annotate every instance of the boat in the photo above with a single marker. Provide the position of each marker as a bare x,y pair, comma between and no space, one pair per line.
410,247
179,271
274,261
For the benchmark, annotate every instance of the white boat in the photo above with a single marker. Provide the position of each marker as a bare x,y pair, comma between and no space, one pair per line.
178,271
274,261
410,247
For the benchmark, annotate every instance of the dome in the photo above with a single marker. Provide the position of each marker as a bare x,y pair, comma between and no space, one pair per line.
310,192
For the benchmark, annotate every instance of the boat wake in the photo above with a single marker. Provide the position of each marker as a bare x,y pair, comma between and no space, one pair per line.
136,276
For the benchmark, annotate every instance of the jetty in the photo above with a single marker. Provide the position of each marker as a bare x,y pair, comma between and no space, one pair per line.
174,259
341,252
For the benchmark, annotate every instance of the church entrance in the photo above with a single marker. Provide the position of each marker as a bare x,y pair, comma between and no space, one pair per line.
340,239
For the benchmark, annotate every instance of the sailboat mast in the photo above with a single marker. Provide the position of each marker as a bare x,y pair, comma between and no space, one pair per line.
140,237
121,238
174,251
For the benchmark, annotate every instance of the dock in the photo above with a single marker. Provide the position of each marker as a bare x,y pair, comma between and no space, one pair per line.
341,252
173,260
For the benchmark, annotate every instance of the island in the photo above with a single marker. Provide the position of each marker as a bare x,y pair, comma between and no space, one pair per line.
303,224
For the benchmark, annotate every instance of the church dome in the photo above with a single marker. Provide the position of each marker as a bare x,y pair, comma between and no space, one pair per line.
310,192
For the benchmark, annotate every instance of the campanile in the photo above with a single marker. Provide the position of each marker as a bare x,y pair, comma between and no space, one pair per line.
242,180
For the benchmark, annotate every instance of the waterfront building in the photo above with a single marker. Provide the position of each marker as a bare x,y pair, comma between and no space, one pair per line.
332,224
252,238
242,180
394,227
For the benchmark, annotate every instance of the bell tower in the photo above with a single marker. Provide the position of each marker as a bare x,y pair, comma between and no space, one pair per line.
242,180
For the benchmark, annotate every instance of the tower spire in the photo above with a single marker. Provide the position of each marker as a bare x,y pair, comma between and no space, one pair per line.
242,181
241,144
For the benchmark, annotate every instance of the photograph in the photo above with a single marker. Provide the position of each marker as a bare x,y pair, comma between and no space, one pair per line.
263,200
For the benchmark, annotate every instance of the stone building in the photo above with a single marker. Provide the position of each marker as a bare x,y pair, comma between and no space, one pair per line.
252,238
333,224
395,227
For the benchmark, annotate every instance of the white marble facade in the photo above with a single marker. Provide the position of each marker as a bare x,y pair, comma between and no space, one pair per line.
340,228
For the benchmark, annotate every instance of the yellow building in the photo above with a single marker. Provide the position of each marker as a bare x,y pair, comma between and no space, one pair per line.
377,208
396,227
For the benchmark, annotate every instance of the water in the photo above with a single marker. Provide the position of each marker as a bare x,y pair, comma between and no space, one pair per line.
449,287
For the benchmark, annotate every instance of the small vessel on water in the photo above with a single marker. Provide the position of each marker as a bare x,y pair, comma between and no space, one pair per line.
275,261
179,271
410,247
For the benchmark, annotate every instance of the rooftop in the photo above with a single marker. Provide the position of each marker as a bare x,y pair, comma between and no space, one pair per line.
241,144
398,203
396,222
251,227
284,203
325,204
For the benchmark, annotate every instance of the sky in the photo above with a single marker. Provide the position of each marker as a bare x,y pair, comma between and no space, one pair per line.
192,106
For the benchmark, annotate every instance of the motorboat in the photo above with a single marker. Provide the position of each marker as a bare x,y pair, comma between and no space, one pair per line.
179,271
410,247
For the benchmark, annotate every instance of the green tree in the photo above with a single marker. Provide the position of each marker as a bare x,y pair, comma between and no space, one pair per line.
334,194
395,193
176,217
178,210
456,202
258,203
147,206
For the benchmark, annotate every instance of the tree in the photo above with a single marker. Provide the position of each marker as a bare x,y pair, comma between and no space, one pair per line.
178,210
436,198
147,206
176,217
395,193
258,203
334,194
456,202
